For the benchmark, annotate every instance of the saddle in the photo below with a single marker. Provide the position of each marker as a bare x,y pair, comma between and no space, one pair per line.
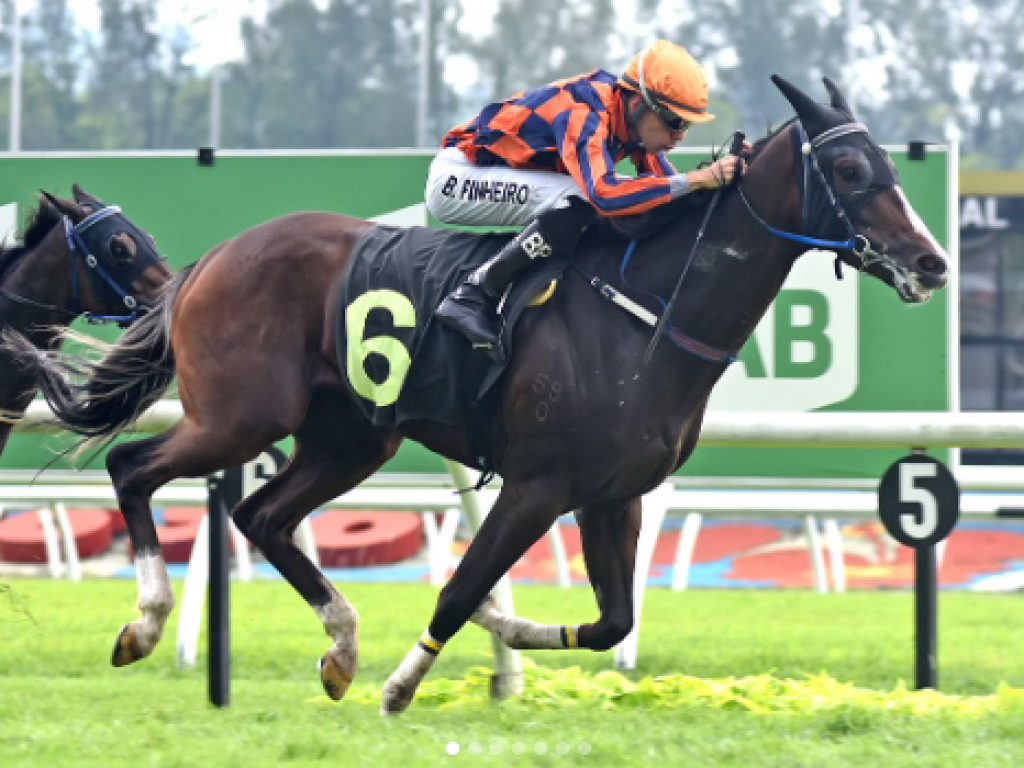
398,363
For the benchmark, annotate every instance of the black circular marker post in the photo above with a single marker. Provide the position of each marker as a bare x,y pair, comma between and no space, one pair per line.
919,503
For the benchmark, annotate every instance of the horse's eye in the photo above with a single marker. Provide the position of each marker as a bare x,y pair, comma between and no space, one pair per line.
122,248
848,172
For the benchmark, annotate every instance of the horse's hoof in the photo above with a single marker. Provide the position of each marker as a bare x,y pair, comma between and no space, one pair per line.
126,648
335,679
395,698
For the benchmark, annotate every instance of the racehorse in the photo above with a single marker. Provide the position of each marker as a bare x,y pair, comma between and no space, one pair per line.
582,424
42,288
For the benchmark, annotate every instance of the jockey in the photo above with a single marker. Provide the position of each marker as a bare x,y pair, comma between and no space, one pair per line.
545,158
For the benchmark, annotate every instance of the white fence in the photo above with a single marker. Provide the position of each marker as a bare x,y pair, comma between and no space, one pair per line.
989,492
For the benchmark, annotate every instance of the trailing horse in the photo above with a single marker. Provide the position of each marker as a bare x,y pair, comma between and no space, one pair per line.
44,287
579,421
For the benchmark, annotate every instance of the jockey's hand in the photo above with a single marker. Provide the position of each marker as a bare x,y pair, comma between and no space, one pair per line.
719,174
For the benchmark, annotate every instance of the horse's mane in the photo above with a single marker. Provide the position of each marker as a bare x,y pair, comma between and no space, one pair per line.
646,224
40,222
761,143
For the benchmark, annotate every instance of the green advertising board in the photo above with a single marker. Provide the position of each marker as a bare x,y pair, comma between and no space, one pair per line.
824,345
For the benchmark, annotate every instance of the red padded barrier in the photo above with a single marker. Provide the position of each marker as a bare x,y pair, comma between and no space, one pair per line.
21,536
348,538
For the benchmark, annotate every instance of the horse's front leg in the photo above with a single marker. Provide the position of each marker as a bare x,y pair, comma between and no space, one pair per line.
609,534
521,515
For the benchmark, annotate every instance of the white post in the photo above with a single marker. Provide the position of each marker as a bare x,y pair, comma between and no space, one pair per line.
816,555
834,538
656,504
193,597
306,541
562,576
51,541
684,550
508,666
74,565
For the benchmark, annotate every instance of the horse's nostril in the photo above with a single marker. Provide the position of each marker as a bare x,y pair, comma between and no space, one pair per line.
931,264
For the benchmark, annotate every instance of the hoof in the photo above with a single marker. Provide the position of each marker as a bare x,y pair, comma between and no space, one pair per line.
335,679
127,649
395,698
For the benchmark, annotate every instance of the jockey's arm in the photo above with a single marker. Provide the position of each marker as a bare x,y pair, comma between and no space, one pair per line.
583,141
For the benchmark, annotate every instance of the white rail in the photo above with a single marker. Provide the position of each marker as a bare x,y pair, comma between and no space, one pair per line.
902,429
808,500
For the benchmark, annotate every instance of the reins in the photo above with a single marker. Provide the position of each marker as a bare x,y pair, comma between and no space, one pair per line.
734,149
859,245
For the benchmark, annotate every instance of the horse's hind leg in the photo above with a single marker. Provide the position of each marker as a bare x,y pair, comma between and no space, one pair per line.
156,599
609,535
521,515
335,450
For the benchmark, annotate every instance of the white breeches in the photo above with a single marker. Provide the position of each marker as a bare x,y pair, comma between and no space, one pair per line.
459,192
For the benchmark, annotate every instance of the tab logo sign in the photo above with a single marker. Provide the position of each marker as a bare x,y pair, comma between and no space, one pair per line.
803,355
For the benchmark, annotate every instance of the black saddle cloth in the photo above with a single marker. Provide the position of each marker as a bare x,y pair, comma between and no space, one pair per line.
398,363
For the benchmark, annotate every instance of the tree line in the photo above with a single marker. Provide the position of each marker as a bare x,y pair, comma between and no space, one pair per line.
347,73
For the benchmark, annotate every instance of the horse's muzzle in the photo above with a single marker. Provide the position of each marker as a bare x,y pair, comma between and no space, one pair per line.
932,269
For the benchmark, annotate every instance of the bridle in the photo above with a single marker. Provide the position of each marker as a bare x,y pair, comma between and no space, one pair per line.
78,239
857,244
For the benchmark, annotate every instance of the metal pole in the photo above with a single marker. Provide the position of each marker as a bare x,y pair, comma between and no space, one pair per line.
15,127
423,96
926,617
215,75
852,23
219,669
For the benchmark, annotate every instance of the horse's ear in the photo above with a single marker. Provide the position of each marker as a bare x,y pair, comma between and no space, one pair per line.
815,117
63,207
838,100
84,199
801,102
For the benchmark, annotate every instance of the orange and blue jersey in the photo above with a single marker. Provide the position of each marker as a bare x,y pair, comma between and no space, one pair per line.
575,126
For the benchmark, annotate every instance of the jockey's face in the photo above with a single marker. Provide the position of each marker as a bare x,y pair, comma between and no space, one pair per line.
655,135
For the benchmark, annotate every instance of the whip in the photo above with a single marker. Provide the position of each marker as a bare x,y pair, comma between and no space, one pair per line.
734,149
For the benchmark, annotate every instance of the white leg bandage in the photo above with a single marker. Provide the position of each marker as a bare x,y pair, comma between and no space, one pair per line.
401,686
523,634
156,600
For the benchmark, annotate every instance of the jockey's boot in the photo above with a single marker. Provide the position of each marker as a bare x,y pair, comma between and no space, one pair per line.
471,309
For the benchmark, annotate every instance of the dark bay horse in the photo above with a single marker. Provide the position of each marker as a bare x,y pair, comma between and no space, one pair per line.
76,258
582,423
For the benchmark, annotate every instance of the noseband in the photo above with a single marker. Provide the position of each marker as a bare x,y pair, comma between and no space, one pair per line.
106,285
857,244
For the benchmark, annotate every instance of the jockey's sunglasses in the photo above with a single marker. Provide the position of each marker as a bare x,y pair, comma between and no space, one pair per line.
671,120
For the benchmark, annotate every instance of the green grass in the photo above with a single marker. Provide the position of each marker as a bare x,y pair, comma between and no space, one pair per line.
62,704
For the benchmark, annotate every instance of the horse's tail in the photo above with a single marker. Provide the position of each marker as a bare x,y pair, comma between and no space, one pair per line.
99,395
